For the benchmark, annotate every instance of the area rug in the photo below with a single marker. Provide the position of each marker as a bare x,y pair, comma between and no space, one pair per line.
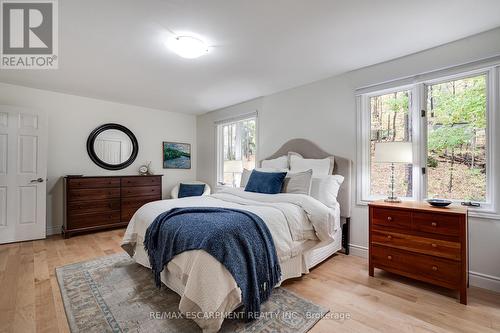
114,294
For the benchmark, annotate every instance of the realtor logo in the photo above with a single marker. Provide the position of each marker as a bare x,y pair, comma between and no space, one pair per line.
29,34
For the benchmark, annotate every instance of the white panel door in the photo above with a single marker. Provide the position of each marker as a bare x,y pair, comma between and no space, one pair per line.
23,173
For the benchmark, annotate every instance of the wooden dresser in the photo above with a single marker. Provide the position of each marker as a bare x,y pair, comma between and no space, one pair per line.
422,242
93,203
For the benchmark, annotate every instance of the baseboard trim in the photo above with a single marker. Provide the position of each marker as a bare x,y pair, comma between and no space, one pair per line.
484,281
53,230
358,250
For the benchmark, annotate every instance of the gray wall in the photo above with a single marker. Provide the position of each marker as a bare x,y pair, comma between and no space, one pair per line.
325,112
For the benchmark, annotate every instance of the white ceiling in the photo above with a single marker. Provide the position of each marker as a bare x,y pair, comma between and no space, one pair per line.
113,49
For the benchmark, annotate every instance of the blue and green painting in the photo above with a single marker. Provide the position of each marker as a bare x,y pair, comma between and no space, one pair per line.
176,155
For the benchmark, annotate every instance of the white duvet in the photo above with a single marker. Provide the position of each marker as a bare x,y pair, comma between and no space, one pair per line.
205,286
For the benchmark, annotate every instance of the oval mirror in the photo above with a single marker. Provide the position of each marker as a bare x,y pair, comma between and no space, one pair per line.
112,146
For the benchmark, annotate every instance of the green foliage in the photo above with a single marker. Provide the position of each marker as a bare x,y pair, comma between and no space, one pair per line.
448,137
432,162
460,101
400,103
459,109
475,171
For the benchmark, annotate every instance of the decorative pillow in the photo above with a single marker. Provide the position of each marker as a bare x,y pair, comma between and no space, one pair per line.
326,189
246,174
191,190
265,182
299,183
277,163
320,167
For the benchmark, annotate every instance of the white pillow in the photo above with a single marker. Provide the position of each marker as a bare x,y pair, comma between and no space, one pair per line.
277,163
320,167
245,176
326,189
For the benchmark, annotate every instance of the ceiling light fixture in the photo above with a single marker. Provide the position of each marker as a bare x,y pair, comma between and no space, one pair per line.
187,46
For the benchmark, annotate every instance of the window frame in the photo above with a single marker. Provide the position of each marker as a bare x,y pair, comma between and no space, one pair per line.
418,102
219,140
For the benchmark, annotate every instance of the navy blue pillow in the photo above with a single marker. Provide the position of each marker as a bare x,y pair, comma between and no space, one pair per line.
265,182
190,190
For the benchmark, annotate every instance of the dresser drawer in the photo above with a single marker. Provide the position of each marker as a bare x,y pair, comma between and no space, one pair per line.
94,219
93,182
141,191
434,247
431,269
437,269
391,218
93,194
386,257
86,207
141,181
441,224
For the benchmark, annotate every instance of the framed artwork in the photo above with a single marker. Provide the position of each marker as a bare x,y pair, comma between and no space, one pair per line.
176,155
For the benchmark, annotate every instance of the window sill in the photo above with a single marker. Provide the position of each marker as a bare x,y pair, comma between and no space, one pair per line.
484,214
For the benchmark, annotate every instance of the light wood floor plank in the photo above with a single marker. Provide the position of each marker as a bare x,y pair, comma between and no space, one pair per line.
24,316
8,289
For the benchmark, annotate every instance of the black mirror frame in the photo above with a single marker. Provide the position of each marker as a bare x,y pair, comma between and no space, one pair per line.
97,160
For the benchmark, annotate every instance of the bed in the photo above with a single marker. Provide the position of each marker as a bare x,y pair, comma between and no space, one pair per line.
207,289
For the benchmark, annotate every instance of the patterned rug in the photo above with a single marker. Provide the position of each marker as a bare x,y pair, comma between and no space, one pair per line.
114,294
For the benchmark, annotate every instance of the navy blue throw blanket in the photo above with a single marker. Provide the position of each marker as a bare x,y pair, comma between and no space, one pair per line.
238,239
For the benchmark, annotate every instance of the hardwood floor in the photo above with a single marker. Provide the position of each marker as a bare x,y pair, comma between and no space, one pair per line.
30,300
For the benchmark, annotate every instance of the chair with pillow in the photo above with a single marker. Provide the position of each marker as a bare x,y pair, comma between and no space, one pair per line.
190,189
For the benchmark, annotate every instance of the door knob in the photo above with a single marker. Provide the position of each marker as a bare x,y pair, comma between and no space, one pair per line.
39,180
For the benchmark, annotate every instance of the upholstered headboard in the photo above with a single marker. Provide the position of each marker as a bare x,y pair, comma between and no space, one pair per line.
343,166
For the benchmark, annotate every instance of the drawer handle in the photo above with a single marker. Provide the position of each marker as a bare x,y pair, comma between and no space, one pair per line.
389,257
434,268
434,245
434,224
389,237
389,218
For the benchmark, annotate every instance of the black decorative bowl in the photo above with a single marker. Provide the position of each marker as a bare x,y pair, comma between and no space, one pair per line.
439,202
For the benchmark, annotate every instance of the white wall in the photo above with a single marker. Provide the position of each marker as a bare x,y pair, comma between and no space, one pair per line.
72,118
325,112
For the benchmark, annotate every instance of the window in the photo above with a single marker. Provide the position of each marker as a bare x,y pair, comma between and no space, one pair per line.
456,139
390,121
237,147
447,122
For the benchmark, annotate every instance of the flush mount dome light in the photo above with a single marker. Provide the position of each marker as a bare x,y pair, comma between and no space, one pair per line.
188,47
